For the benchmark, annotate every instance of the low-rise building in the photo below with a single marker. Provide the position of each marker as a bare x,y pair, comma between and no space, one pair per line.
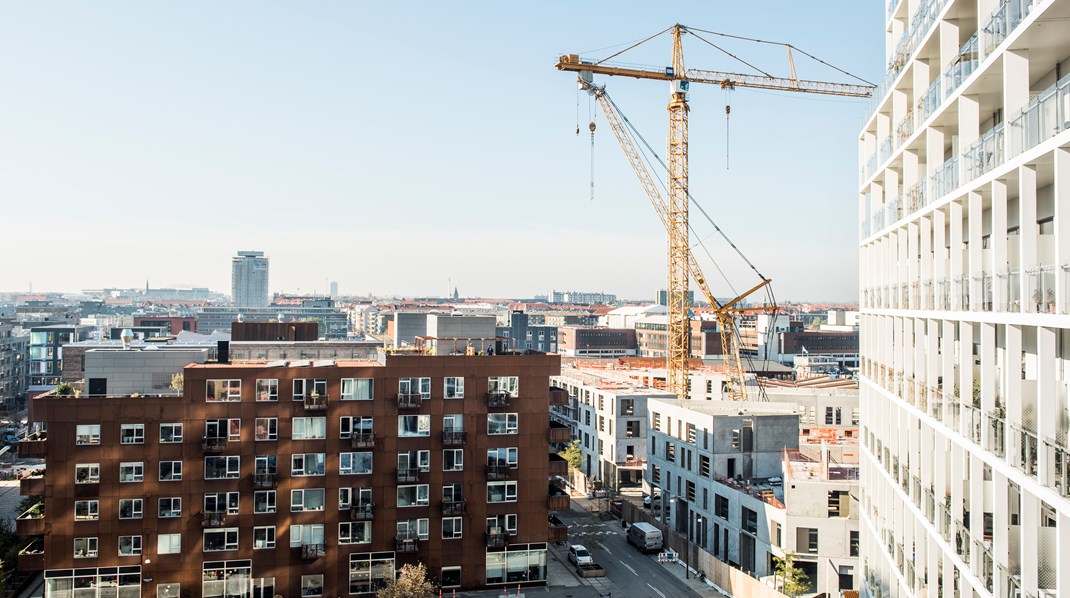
596,342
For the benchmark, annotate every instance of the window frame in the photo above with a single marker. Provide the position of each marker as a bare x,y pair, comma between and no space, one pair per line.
173,477
270,501
229,393
174,438
171,511
136,436
295,472
511,424
136,472
457,530
349,384
345,532
92,508
268,388
91,468
228,533
506,486
350,470
304,423
134,543
457,391
231,469
268,539
423,426
91,550
87,437
457,458
298,496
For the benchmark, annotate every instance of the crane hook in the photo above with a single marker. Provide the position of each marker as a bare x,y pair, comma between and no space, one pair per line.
591,127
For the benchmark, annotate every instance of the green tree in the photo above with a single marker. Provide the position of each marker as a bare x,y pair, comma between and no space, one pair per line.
795,580
64,389
178,382
411,582
573,455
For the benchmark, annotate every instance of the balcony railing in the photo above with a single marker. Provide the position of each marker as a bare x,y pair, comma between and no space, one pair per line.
311,552
31,522
945,179
497,540
985,154
33,446
265,480
214,444
453,438
408,474
453,507
1041,288
558,433
1046,115
407,543
32,556
213,518
497,399
1003,20
362,440
362,511
962,67
409,400
499,472
558,396
315,403
928,103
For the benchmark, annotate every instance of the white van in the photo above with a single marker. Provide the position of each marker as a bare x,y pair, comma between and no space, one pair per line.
645,537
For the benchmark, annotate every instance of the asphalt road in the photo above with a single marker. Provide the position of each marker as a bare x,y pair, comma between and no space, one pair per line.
629,573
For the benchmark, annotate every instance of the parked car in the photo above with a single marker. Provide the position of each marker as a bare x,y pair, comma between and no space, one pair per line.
579,555
647,499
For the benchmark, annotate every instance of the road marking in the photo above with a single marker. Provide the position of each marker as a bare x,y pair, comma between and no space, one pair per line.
628,567
656,591
606,549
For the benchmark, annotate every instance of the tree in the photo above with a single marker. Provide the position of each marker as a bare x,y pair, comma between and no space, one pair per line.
64,389
573,455
795,580
411,582
178,382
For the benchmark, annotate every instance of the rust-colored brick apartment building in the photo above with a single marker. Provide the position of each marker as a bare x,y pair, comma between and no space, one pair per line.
301,479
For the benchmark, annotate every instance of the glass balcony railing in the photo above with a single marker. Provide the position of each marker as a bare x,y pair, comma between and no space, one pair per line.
962,67
915,197
944,180
985,154
920,23
929,102
1040,281
1047,115
1004,19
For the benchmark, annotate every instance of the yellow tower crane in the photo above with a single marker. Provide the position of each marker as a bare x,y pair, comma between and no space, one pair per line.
674,211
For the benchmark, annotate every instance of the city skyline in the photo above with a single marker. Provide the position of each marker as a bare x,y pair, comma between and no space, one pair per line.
297,133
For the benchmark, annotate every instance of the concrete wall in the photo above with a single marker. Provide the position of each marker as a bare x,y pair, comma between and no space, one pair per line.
144,372
446,326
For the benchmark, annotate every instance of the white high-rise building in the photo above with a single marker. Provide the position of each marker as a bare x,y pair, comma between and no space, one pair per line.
965,300
249,279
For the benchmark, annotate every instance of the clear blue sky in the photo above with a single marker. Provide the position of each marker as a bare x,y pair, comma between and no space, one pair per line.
391,146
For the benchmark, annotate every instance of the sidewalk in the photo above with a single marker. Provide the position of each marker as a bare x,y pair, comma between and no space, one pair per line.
699,587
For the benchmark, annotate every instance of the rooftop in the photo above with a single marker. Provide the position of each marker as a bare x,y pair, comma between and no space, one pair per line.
733,407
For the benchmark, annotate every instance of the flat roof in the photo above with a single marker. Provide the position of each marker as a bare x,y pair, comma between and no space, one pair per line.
732,407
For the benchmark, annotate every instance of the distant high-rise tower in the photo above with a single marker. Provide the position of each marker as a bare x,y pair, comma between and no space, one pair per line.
249,279
334,289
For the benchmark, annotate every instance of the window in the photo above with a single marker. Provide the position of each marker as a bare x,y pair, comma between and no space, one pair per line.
87,473
223,428
307,464
267,428
345,498
415,386
168,590
854,543
222,391
721,504
833,416
501,423
264,501
414,425
131,472
655,420
454,388
503,384
216,540
501,491
87,434
355,463
453,460
413,529
267,390
170,507
263,537
355,532
357,389
85,548
86,510
690,489
310,387
222,468
169,544
129,545
307,499
311,585
222,502
170,433
132,434
453,422
806,540
413,496
450,578
451,528
415,460
704,466
309,428
502,457
170,471
778,535
348,425
302,535
502,524
749,520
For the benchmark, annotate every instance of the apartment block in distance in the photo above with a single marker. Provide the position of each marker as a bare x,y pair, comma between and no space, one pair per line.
300,478
965,296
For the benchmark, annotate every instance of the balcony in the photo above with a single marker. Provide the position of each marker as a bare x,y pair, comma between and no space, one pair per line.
409,401
453,438
558,465
32,522
409,474
315,402
497,539
32,556
33,446
558,396
311,552
558,500
32,486
558,530
406,543
499,472
214,444
559,433
362,440
213,518
265,480
497,400
453,507
361,511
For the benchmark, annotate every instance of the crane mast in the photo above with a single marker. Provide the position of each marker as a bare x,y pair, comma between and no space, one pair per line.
674,212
